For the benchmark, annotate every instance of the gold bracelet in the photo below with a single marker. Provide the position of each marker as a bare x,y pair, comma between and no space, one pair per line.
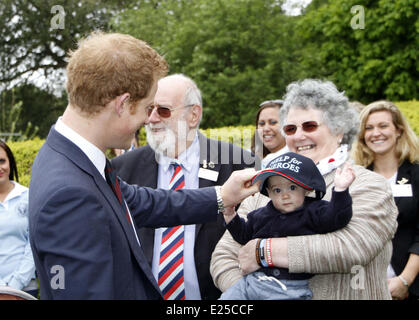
403,280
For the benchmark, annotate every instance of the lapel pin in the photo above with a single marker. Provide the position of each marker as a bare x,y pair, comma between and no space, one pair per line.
204,164
403,181
211,165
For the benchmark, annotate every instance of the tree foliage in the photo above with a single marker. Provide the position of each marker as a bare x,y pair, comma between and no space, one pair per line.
38,107
30,40
33,53
9,118
238,51
379,61
241,52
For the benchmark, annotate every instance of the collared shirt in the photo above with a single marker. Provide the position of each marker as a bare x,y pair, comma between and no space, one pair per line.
189,161
95,155
17,266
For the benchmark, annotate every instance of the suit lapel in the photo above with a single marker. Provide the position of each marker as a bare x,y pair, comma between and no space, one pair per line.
136,249
402,172
77,156
208,153
148,168
118,211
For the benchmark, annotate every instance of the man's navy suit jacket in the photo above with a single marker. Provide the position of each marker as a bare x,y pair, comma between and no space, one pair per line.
140,167
82,242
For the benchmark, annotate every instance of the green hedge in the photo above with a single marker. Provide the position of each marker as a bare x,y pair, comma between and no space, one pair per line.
410,110
238,135
26,151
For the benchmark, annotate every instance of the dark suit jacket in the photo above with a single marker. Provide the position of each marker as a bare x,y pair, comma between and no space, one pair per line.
140,167
406,239
82,242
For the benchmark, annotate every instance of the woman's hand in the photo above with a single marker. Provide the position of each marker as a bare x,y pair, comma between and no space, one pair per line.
247,257
397,289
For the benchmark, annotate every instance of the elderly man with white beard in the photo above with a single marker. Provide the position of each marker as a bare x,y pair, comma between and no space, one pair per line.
177,148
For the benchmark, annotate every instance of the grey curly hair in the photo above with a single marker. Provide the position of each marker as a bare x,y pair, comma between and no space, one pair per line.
324,96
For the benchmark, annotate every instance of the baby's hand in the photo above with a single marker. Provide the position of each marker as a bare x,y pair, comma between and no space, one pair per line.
229,213
344,177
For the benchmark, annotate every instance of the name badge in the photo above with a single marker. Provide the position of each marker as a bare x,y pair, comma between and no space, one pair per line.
402,190
208,174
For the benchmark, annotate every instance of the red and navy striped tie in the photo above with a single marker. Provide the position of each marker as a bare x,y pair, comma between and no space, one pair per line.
113,182
171,281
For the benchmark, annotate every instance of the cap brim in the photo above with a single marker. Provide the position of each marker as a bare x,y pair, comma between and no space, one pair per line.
265,174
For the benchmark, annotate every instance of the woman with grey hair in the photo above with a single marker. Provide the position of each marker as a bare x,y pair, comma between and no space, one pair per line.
349,263
325,97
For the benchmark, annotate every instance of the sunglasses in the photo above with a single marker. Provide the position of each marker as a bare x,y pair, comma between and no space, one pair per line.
163,111
308,126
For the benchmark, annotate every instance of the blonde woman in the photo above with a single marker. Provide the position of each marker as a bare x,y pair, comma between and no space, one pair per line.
387,145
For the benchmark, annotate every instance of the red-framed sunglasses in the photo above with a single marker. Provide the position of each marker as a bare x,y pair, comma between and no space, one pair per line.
164,111
308,126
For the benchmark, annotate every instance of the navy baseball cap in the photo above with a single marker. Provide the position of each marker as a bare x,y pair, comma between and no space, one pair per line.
296,168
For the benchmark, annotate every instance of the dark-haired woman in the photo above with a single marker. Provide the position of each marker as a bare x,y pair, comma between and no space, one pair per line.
268,142
17,267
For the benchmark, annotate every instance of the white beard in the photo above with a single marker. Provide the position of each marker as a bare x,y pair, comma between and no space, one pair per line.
165,143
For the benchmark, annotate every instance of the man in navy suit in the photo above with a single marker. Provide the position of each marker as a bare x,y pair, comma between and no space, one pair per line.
173,135
83,228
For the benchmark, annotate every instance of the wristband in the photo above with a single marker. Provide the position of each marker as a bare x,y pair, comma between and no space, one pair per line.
257,253
403,280
269,253
262,253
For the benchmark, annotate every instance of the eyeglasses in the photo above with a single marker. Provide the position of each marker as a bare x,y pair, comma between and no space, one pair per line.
308,126
164,111
277,101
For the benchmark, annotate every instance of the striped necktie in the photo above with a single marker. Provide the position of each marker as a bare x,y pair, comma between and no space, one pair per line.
113,182
171,281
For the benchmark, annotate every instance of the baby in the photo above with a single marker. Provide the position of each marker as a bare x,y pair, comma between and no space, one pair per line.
287,180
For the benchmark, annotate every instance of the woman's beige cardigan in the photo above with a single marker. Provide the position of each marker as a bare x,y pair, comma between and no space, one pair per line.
350,263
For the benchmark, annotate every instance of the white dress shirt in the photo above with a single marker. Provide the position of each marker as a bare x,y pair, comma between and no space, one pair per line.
95,155
189,161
